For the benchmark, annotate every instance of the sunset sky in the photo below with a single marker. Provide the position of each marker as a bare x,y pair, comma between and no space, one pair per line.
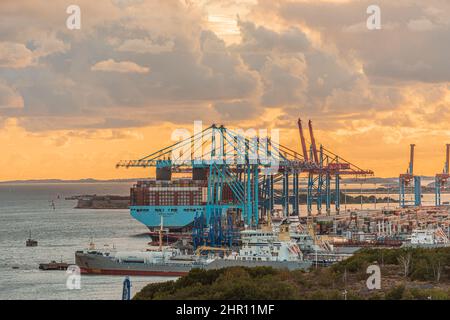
75,102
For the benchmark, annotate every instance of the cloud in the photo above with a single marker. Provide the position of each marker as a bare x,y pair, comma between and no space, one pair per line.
15,55
146,46
9,98
295,74
236,110
421,25
48,44
285,80
412,44
18,55
131,65
126,3
122,67
249,63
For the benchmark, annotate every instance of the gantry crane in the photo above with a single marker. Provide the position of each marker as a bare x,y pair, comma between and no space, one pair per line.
405,180
242,164
442,178
255,183
327,166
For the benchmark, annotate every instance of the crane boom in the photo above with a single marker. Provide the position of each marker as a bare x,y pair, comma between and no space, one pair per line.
302,138
313,143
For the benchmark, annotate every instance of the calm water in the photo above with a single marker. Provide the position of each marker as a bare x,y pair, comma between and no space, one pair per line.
63,231
60,233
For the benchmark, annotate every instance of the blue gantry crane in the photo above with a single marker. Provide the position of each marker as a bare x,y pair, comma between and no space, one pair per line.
248,166
258,171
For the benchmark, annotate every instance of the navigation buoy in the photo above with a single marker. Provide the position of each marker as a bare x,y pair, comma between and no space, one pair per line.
126,293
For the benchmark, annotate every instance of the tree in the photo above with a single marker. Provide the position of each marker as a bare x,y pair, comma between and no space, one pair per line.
405,262
436,265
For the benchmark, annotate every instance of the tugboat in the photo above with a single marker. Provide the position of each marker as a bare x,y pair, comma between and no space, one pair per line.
53,265
31,242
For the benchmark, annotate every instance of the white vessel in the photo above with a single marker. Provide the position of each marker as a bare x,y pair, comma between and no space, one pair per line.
428,238
263,245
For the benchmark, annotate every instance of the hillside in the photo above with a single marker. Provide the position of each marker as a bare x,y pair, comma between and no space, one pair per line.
426,277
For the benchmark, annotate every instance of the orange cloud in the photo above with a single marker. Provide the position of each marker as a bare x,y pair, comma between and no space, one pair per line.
74,103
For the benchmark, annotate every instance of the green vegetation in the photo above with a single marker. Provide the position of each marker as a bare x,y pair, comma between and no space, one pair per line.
415,264
406,274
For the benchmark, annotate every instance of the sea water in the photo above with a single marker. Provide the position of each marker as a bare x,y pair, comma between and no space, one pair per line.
60,232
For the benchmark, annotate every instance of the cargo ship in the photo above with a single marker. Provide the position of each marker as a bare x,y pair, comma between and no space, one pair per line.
176,201
259,248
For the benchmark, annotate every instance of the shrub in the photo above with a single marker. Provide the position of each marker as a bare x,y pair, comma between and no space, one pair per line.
395,293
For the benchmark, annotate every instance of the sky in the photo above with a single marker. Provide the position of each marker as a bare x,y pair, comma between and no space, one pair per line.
75,102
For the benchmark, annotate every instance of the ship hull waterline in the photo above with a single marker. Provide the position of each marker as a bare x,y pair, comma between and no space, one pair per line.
98,265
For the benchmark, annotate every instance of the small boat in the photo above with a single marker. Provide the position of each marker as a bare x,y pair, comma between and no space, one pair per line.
52,205
31,242
53,265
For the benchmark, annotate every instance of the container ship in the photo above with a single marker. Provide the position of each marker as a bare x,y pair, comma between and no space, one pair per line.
172,202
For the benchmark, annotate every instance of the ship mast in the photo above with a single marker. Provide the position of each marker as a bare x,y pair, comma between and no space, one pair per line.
160,234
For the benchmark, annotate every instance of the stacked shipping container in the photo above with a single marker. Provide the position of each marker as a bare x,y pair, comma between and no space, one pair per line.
180,192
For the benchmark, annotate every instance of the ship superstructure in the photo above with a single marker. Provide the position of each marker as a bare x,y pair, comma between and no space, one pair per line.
261,245
428,238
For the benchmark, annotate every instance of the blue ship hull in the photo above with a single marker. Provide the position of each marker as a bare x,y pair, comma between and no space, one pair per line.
174,217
